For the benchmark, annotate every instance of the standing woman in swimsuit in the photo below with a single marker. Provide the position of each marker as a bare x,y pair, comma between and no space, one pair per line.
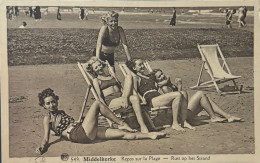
110,35
107,86
61,124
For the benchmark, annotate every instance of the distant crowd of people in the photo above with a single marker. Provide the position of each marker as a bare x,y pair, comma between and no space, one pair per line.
35,12
242,11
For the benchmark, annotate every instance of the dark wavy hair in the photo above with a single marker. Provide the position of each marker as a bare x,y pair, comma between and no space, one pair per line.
46,93
131,64
152,74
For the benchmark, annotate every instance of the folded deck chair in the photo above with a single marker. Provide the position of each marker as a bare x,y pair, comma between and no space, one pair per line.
122,113
217,72
153,111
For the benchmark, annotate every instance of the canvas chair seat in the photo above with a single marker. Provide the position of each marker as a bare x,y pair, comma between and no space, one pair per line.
211,63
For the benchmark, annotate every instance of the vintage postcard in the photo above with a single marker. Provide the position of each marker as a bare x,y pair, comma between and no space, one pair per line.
130,81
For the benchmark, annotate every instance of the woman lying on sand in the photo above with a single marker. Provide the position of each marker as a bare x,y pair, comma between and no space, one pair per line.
149,90
63,125
198,102
106,85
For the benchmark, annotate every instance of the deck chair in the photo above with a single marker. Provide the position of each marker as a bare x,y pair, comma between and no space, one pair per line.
152,111
124,114
217,72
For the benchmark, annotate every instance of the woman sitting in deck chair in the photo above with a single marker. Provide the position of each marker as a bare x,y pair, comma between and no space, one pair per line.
64,125
106,84
148,88
197,102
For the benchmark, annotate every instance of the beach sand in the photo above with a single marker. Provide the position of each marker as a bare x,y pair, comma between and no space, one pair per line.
25,115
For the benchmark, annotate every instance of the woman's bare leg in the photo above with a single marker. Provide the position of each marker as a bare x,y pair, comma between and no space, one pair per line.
219,111
172,99
119,134
138,112
91,120
128,88
200,100
184,111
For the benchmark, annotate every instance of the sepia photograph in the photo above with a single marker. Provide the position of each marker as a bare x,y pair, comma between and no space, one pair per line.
122,81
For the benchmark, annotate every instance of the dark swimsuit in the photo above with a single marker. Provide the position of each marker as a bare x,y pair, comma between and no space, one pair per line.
173,87
77,134
108,56
148,90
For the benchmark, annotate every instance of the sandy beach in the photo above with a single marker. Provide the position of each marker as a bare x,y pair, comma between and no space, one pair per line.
26,129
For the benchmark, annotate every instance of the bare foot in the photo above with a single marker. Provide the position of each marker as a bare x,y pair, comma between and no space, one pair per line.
217,119
177,127
233,119
125,126
156,135
166,126
187,125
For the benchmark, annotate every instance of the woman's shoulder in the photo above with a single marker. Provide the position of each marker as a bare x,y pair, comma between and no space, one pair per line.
120,29
104,28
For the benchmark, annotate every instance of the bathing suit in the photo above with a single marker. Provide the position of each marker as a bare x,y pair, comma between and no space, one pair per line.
148,90
172,86
105,56
107,42
60,121
77,133
108,83
229,17
109,57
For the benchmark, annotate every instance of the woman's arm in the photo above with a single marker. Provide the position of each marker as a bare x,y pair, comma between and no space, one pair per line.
163,82
124,42
98,90
101,36
45,141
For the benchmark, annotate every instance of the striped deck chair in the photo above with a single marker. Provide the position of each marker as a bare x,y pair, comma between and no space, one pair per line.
217,72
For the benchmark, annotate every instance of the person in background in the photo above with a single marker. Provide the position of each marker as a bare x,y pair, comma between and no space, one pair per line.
173,19
31,12
58,14
23,25
229,15
242,16
82,14
16,11
37,13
